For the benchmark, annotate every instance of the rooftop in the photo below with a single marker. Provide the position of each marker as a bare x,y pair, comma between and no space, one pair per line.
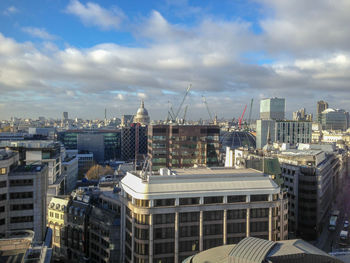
255,250
195,182
27,169
30,144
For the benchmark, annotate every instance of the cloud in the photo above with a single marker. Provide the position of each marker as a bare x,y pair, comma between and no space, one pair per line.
39,33
10,10
210,54
93,14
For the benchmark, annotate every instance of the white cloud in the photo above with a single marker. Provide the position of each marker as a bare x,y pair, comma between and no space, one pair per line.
10,10
93,14
39,33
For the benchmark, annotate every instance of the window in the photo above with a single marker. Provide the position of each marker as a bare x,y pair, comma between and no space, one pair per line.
259,198
3,197
163,248
164,202
259,212
189,231
22,195
236,228
2,170
236,199
213,200
164,219
2,209
189,217
212,215
2,221
3,184
189,201
21,207
21,219
185,246
237,214
22,182
164,232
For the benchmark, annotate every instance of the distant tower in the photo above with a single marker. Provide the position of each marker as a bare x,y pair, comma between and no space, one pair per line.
272,109
65,115
321,106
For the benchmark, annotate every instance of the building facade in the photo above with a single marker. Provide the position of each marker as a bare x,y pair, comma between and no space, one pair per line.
22,195
104,144
332,119
292,132
179,146
170,217
130,135
321,106
272,109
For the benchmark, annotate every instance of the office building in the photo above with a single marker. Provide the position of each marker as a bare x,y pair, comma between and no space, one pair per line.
292,132
22,195
65,116
104,144
255,250
38,152
321,106
20,246
272,109
312,179
175,214
179,146
133,142
70,171
334,119
142,115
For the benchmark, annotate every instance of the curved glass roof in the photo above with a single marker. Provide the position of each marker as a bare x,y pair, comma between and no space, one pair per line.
236,139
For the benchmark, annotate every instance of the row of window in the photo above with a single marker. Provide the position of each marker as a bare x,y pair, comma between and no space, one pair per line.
207,200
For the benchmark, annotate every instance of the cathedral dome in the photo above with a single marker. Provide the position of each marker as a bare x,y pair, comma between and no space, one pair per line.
142,115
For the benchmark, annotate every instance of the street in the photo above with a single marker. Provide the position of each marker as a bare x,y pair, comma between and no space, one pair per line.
330,241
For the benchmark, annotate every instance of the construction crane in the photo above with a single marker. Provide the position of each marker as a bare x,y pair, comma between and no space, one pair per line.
185,112
206,105
250,113
182,102
241,118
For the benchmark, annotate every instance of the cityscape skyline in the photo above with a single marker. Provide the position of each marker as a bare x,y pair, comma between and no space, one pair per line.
83,57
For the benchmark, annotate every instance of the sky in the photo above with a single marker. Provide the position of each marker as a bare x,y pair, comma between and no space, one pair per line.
87,56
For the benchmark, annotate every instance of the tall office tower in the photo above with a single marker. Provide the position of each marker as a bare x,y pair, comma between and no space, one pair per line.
272,109
133,141
22,195
292,132
179,146
65,115
332,119
170,217
321,106
299,115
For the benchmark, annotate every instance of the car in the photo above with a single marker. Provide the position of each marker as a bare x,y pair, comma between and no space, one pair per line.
346,224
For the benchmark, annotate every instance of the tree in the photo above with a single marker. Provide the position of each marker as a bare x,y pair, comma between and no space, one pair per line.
96,171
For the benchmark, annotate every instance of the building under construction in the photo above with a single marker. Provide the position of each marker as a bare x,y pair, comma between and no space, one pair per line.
181,146
134,142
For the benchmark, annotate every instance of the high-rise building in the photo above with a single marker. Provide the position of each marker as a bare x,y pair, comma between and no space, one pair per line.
133,141
292,132
65,115
185,211
104,144
321,106
272,109
334,119
179,146
22,195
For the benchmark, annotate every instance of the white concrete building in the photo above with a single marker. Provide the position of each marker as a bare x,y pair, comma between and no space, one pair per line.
175,214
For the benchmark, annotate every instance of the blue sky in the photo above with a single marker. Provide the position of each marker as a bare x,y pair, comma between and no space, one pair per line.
84,56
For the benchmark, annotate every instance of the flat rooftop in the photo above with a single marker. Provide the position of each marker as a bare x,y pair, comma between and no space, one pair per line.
197,182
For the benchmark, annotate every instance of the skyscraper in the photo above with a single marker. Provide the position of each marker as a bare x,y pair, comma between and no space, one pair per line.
321,106
272,109
65,115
